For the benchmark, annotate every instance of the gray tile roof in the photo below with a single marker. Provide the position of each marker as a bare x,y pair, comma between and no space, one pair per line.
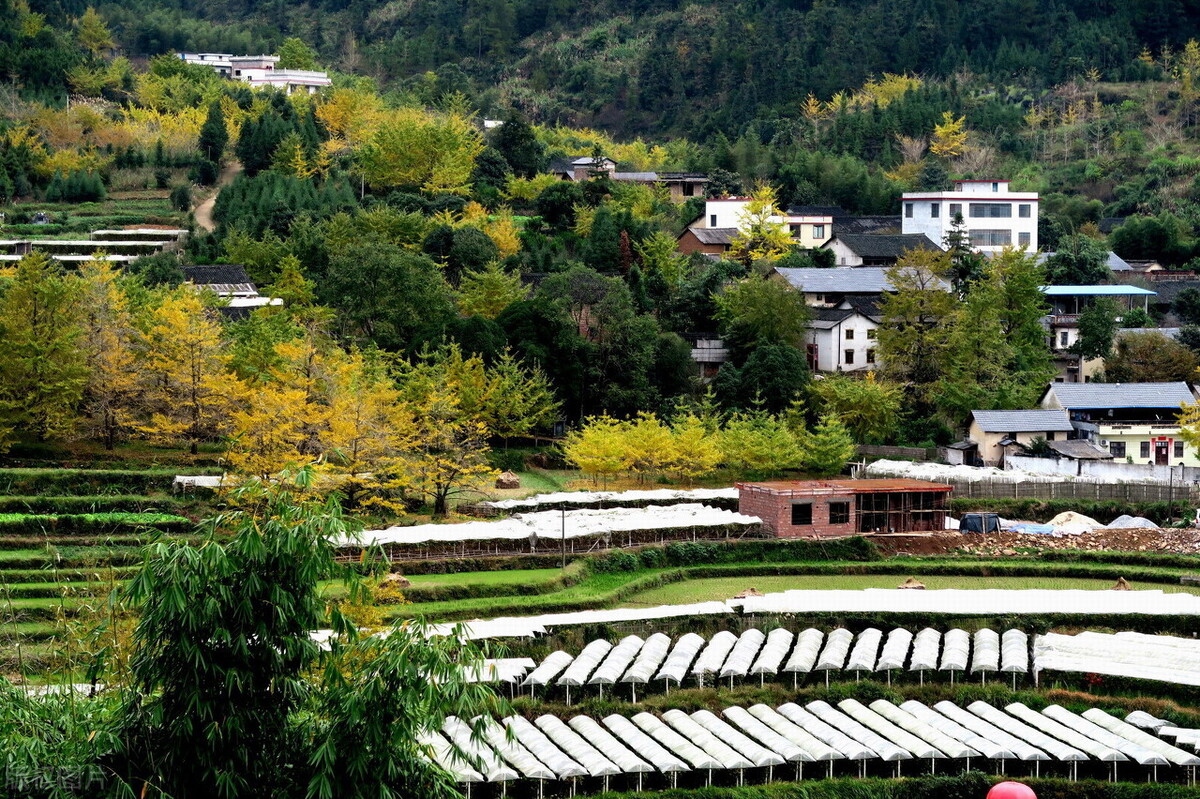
1113,261
209,274
1024,421
1080,450
714,235
1098,396
885,245
839,279
845,225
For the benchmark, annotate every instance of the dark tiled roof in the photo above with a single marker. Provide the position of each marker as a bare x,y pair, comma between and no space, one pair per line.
884,245
838,280
714,235
1080,450
1023,421
1100,396
816,210
216,274
865,224
688,177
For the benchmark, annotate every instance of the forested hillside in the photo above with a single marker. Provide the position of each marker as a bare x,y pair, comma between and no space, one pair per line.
656,66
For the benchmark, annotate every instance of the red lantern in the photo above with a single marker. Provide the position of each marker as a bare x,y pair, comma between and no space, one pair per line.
1011,790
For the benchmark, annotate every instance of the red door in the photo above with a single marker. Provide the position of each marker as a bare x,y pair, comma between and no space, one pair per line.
1162,452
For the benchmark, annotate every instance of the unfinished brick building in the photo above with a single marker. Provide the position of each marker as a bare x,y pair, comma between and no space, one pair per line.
832,508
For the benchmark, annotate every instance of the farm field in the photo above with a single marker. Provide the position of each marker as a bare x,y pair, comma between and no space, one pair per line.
724,587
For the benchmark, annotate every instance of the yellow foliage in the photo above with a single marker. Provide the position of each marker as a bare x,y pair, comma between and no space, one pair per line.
886,90
905,174
949,136
412,147
350,114
266,428
528,189
585,216
812,108
761,235
504,232
186,385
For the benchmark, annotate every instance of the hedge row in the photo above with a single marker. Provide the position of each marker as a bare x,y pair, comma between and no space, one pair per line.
1042,510
696,553
91,524
62,482
15,578
96,503
440,593
517,607
40,541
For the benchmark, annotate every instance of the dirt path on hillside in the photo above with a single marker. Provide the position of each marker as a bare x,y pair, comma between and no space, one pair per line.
203,212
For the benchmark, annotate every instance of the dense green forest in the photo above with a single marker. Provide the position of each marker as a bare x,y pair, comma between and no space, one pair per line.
658,66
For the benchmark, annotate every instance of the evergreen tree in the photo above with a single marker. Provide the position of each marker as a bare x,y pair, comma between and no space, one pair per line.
516,141
827,448
213,134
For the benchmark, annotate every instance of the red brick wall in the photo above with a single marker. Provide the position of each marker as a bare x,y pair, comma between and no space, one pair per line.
776,514
688,244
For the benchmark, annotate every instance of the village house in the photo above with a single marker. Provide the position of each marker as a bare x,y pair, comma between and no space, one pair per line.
810,226
260,71
994,216
713,242
842,339
828,288
680,185
1134,422
876,249
1062,324
991,433
836,508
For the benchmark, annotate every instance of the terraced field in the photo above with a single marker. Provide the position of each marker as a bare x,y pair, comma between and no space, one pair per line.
67,537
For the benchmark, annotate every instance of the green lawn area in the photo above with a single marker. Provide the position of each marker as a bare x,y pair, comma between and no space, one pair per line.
726,587
515,576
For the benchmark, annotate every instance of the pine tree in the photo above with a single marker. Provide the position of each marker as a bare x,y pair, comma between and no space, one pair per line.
827,448
213,134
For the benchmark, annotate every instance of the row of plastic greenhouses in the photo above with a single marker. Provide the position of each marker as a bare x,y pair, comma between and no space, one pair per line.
761,743
657,661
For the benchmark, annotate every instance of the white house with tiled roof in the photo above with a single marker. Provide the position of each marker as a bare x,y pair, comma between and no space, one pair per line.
994,216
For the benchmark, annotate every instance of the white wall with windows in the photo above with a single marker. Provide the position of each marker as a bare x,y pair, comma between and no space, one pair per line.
993,216
847,346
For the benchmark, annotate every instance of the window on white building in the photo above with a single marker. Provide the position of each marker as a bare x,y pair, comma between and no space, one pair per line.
818,231
849,335
908,210
871,333
955,210
1116,449
1178,449
849,357
995,187
1062,339
870,356
990,238
1023,238
1023,210
712,220
989,210
1145,449
935,210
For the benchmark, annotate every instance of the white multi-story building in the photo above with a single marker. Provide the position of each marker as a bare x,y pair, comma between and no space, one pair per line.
993,216
260,70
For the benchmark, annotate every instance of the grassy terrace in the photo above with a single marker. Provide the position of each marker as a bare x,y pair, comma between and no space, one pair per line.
478,594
